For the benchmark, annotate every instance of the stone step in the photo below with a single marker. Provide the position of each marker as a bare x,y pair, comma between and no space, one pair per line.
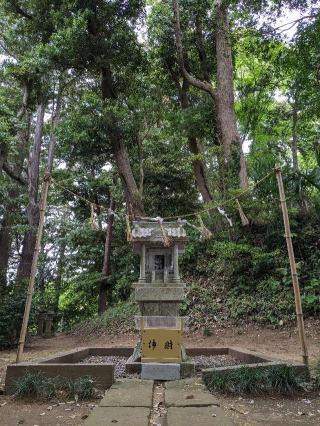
197,416
126,403
129,403
189,403
128,393
119,416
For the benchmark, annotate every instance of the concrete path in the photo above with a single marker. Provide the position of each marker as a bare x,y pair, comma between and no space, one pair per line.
189,403
130,402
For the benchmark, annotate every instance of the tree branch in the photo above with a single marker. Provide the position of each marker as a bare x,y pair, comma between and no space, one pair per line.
6,51
19,10
201,50
202,85
293,23
11,173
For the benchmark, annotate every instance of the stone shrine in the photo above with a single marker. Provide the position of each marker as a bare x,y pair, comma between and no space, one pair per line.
159,292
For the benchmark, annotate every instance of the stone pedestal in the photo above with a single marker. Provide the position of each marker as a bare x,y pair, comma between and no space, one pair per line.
159,299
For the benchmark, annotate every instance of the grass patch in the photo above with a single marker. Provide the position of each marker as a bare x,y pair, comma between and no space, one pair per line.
81,388
36,385
279,379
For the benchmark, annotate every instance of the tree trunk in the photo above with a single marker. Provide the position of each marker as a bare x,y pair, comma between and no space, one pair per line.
58,280
199,167
294,145
29,239
105,290
5,244
119,150
22,138
234,162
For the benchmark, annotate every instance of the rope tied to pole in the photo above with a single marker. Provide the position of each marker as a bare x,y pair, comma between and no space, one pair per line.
92,217
166,240
243,217
205,232
211,205
129,231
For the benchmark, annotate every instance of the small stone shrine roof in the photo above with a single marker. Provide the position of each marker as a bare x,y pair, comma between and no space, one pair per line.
147,231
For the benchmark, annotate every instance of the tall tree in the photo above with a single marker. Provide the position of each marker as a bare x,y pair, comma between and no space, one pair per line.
233,164
32,211
105,287
14,168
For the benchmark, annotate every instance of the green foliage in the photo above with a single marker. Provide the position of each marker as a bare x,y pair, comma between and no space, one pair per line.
242,273
117,319
247,276
11,314
279,379
36,385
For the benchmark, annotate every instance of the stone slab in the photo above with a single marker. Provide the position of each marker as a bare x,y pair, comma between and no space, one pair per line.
129,393
159,294
159,284
198,416
160,371
119,416
188,393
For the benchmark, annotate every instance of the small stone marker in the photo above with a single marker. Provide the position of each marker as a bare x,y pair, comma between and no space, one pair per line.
160,371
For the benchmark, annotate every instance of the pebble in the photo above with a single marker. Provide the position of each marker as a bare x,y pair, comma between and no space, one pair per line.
118,361
207,361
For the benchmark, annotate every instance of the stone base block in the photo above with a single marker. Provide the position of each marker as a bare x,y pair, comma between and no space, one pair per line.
160,294
160,371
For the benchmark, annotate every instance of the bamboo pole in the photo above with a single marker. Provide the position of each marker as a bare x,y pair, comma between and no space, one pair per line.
43,205
294,275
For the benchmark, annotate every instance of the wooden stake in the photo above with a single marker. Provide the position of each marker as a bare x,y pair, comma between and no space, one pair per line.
293,267
24,327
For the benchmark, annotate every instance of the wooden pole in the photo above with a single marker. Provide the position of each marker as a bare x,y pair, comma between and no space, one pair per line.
43,205
293,267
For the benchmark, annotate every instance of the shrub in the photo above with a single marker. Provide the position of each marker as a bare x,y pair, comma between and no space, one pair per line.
279,379
11,314
36,385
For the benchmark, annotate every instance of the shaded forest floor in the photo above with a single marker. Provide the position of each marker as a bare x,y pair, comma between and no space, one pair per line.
302,409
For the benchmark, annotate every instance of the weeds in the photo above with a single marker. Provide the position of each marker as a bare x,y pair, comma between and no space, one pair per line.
279,379
35,384
80,388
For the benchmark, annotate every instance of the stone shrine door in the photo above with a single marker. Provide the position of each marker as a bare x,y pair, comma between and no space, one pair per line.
159,262
159,265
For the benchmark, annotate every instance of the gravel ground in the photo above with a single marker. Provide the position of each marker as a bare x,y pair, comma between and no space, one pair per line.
201,361
118,361
204,361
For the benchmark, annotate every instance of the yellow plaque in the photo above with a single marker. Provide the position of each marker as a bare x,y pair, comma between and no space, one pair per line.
161,345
